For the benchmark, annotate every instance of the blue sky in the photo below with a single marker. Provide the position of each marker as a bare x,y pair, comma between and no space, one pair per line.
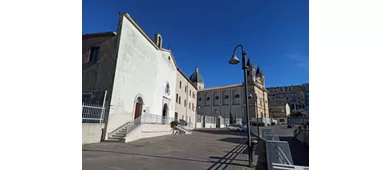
275,34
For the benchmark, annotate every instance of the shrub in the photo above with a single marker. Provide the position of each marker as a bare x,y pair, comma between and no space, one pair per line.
174,124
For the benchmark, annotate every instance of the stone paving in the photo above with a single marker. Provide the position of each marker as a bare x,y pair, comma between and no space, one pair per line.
206,149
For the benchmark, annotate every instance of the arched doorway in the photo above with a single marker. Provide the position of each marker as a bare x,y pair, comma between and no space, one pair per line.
218,122
138,108
165,113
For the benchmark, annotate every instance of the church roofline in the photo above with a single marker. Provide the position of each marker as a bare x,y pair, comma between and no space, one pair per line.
184,75
138,27
221,87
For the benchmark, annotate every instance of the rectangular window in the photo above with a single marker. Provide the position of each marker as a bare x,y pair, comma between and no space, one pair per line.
185,89
180,84
189,105
190,92
185,103
177,98
93,55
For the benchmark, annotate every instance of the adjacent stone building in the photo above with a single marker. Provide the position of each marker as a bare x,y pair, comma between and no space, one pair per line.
186,93
220,106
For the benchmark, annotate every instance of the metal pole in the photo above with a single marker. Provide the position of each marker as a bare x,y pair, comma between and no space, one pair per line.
245,68
103,107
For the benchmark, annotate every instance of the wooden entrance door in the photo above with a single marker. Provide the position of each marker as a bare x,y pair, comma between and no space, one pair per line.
137,110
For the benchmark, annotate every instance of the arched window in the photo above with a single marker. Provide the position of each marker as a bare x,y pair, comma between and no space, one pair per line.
216,99
226,100
167,90
236,100
208,101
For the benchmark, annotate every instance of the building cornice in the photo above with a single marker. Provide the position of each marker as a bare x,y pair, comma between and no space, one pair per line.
184,75
98,35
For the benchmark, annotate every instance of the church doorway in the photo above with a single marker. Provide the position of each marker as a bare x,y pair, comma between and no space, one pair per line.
165,113
138,108
218,122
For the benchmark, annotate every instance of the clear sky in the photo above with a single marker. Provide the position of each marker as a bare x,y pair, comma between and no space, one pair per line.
275,34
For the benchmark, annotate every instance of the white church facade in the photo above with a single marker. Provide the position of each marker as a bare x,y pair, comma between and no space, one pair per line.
138,75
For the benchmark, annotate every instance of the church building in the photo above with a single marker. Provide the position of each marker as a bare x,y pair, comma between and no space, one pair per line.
220,106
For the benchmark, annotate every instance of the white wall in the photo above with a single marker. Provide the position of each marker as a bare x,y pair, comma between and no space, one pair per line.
92,132
148,131
141,70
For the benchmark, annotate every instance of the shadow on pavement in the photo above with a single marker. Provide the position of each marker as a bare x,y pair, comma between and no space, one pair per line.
153,156
299,151
220,132
233,140
228,158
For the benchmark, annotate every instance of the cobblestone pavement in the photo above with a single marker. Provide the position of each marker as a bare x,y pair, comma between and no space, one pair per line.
206,149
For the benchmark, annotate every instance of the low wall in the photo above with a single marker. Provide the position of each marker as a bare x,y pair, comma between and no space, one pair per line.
148,131
92,132
210,125
198,125
303,137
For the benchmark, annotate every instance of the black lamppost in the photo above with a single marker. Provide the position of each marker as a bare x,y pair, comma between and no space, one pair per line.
257,116
235,60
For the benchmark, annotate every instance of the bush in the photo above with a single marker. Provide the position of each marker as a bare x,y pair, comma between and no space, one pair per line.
174,124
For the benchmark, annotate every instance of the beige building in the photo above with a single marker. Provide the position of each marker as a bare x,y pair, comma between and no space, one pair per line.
186,93
293,95
220,106
279,112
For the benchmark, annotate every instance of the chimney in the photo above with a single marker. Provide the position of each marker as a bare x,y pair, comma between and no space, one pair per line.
158,40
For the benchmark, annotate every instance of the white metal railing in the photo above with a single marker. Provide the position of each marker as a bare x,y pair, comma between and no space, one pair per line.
282,157
277,166
149,119
93,113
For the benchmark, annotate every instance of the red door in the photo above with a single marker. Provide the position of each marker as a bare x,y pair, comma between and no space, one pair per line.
137,111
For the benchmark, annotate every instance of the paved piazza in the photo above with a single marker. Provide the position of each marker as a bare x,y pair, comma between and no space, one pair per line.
204,149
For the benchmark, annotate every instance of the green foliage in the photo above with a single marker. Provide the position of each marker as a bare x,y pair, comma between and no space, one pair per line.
174,124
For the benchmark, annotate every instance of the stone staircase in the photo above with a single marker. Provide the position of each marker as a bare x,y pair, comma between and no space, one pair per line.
184,129
118,136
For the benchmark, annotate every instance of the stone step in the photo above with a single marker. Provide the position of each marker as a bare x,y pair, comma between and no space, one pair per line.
121,133
114,140
118,136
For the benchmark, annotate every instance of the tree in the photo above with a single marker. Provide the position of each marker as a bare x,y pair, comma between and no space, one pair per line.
232,121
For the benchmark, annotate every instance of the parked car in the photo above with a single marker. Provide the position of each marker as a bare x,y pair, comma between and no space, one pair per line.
243,129
234,127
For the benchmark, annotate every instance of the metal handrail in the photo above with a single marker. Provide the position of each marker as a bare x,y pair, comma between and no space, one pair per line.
119,128
286,161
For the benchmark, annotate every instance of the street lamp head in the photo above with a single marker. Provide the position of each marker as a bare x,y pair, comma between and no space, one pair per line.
234,60
250,96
